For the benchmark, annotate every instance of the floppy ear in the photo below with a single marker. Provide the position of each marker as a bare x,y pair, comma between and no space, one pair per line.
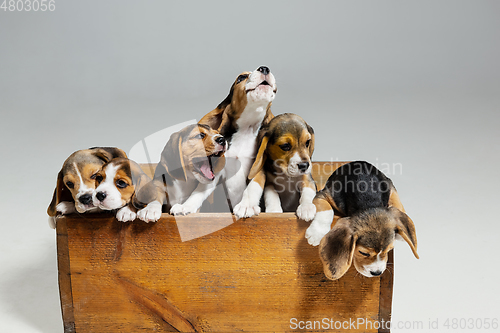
258,164
406,229
336,249
215,118
311,145
146,190
61,193
172,162
108,153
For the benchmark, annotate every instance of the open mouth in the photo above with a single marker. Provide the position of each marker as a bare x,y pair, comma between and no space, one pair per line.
204,165
263,83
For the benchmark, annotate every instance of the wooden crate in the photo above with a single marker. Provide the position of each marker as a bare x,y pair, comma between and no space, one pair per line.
253,275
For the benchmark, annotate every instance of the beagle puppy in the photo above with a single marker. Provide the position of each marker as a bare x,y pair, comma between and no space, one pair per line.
282,170
238,119
122,185
369,217
190,167
76,181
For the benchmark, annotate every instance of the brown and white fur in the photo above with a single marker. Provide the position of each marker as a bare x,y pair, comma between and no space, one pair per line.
368,216
282,170
238,118
123,186
190,167
76,181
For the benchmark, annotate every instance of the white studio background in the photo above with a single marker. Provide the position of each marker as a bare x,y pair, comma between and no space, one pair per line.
412,84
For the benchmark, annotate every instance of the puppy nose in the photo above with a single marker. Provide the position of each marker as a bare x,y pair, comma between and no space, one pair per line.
100,196
376,273
85,199
220,140
264,70
303,166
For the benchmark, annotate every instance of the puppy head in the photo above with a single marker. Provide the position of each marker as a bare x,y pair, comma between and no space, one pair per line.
365,239
287,143
122,181
76,180
195,152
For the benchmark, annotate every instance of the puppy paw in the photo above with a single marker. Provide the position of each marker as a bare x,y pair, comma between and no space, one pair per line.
66,207
52,222
244,209
150,213
306,211
125,214
315,233
177,209
274,209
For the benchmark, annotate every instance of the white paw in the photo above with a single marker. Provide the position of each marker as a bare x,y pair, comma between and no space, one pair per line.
274,209
315,233
184,209
244,209
306,211
125,214
150,213
66,207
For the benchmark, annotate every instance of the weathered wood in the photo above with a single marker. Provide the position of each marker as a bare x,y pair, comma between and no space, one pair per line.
255,275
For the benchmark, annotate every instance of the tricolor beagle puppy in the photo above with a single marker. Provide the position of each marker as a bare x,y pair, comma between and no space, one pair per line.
76,181
369,217
190,167
238,118
282,170
122,185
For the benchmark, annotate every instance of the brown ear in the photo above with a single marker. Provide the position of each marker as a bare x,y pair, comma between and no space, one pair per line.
61,193
406,229
311,145
108,153
215,118
258,164
336,249
171,162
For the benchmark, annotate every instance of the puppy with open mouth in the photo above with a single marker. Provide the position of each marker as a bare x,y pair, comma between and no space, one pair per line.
368,216
190,167
282,170
238,119
76,181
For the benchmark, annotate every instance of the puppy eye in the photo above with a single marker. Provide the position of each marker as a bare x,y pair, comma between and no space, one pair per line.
70,185
93,176
121,184
364,253
98,178
241,78
200,136
308,142
286,146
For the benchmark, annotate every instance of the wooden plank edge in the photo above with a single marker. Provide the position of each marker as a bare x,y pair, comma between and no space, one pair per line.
64,275
385,296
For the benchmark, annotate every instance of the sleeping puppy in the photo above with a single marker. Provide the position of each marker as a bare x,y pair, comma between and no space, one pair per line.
238,118
190,167
122,185
76,181
282,170
369,217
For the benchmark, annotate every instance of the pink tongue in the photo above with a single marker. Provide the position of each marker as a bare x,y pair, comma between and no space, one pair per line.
207,172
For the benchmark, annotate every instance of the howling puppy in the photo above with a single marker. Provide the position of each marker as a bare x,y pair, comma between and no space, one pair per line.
76,181
282,170
190,167
369,216
123,186
238,118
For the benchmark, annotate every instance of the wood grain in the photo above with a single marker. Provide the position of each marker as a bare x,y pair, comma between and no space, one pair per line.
255,275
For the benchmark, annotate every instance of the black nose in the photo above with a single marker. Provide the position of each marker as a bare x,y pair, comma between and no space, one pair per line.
376,273
264,70
100,196
303,166
85,199
220,140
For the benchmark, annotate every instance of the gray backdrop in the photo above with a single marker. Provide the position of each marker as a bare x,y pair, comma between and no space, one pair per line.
411,84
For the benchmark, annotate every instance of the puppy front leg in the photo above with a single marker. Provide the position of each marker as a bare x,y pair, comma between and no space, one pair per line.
272,200
126,214
195,200
322,222
249,205
307,210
